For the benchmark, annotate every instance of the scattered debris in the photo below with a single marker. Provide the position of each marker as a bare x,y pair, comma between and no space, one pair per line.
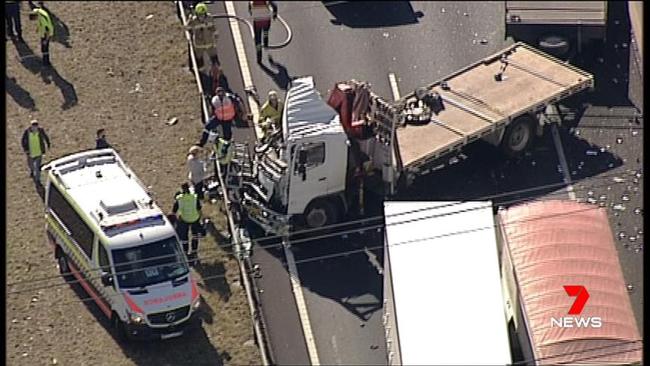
385,34
638,211
484,41
618,180
249,343
635,132
591,152
622,235
630,287
619,140
149,16
625,198
466,14
619,207
442,10
172,121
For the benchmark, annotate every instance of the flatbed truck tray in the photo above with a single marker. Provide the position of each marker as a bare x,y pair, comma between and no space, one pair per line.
476,104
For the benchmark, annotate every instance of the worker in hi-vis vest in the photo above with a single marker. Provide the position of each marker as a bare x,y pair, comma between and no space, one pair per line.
45,30
224,111
270,113
188,206
34,143
262,11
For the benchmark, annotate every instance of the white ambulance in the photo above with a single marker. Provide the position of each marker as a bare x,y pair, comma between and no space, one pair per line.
109,235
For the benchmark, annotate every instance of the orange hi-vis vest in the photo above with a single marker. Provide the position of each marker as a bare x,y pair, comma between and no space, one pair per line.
260,11
224,109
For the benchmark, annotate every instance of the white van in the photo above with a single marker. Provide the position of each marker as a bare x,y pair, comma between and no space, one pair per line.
110,236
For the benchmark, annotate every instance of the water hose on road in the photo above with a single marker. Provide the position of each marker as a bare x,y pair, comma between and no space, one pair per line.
252,32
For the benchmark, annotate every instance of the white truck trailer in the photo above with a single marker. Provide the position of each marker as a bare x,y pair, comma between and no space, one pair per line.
309,173
443,303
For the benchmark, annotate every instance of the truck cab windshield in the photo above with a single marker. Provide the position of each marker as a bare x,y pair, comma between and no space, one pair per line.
149,264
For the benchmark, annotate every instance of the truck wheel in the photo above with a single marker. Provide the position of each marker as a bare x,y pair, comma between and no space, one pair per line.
518,136
555,45
64,266
320,213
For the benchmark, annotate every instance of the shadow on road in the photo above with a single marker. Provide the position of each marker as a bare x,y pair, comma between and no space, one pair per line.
166,352
610,63
61,31
280,77
21,96
27,57
214,276
49,74
370,14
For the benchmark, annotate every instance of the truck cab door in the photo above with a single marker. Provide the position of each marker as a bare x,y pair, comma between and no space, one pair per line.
308,176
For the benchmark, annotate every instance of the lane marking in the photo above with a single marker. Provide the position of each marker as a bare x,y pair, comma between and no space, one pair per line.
563,163
243,64
372,258
393,85
296,286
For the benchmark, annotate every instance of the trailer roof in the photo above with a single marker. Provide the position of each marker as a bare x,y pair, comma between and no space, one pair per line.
446,283
557,243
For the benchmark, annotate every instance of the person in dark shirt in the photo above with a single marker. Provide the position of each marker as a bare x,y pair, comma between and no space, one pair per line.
100,141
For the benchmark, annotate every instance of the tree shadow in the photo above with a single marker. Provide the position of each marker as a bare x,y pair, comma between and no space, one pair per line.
163,352
61,30
50,74
27,57
21,96
371,14
222,238
216,280
281,78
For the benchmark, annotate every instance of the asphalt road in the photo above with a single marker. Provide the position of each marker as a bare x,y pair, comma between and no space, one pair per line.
420,42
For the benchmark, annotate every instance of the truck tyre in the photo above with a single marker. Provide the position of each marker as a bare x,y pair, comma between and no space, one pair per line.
555,45
64,266
320,213
519,136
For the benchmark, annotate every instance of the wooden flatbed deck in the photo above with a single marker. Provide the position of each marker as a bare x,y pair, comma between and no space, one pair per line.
476,104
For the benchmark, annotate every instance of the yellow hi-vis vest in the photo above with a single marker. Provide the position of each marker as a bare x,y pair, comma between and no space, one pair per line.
44,25
224,151
187,207
34,139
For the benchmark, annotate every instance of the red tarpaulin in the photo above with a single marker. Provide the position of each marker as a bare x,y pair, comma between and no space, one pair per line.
558,243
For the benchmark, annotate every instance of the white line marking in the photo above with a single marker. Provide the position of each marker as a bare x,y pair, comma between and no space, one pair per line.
300,303
243,64
372,258
393,85
563,163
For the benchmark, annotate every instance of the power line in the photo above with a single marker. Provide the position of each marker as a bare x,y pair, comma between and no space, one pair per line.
344,253
349,231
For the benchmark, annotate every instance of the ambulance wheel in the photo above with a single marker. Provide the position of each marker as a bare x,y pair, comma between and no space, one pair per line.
120,328
518,137
64,267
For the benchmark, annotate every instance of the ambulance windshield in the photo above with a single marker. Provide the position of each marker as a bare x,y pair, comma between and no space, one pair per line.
149,264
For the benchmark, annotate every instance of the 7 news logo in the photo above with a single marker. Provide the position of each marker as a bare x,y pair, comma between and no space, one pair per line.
582,295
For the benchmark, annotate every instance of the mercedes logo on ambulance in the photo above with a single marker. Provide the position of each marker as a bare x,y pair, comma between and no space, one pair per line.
170,317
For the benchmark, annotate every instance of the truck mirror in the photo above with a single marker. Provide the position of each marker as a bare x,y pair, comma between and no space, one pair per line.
107,279
302,170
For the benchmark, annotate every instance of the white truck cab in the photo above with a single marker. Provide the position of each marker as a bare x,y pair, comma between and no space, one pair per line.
109,235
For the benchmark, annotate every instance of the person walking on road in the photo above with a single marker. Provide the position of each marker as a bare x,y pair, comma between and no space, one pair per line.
271,113
204,35
188,206
196,167
12,19
35,142
45,30
262,11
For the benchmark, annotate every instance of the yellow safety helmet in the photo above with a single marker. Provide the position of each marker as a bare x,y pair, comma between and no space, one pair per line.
201,9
